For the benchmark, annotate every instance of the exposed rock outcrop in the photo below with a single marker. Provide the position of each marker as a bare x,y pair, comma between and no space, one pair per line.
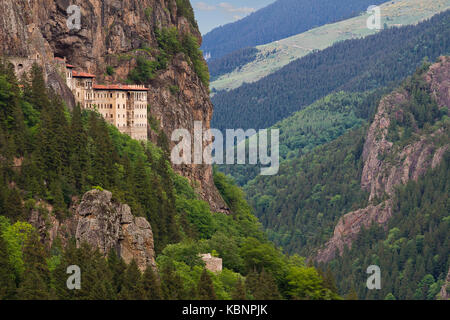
109,225
349,226
114,33
103,223
387,165
212,264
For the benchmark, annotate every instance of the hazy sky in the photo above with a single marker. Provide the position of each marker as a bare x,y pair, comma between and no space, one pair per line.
213,13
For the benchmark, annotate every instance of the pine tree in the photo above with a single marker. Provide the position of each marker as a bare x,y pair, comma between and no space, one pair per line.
252,282
132,287
78,149
239,291
171,284
329,281
152,287
267,288
205,287
117,267
33,287
36,278
39,96
13,205
7,277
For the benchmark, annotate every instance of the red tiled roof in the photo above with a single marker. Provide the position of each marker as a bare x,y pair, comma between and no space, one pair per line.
119,87
69,66
77,74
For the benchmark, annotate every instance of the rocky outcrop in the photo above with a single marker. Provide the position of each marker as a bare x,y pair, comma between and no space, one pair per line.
109,225
387,165
113,33
212,264
349,226
103,223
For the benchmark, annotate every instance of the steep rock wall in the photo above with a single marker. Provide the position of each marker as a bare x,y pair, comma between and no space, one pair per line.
387,166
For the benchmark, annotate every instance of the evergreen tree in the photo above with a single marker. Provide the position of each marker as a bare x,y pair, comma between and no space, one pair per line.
151,285
39,96
132,287
78,149
239,292
36,278
172,284
7,277
267,288
205,287
13,205
117,267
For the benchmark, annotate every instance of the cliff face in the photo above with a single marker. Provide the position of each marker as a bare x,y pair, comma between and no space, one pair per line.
387,165
113,34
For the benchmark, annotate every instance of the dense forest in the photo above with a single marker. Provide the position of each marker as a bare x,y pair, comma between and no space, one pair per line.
50,156
353,65
280,20
231,62
413,250
301,205
319,123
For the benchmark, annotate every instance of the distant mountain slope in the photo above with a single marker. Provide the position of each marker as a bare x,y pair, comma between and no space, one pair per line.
351,65
319,123
357,174
279,20
232,70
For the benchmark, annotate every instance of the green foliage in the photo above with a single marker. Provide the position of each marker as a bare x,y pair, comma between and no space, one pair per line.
192,49
319,123
170,43
144,71
301,205
110,71
205,288
15,237
280,20
414,250
68,153
148,13
132,288
184,9
7,274
151,285
419,113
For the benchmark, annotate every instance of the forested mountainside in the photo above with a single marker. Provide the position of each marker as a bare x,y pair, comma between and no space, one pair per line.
351,65
279,20
252,64
231,61
55,167
319,123
413,248
344,194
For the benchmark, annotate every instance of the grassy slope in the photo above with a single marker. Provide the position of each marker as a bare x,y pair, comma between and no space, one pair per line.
274,56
